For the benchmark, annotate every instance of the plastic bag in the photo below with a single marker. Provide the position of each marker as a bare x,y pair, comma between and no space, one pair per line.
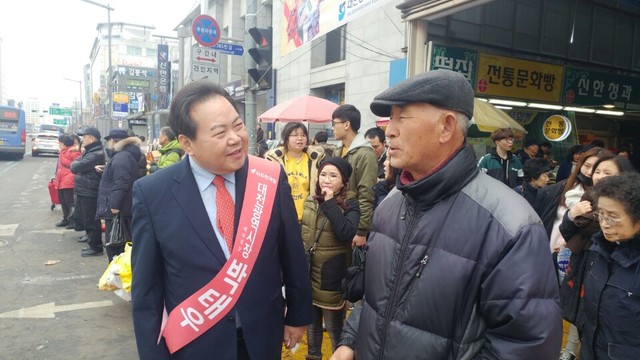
119,233
117,276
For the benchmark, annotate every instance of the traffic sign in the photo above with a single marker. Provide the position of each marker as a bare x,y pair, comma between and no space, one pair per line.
60,111
205,30
229,49
203,55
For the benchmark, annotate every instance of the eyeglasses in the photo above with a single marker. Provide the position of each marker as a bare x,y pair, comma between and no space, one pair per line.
333,123
300,136
611,221
507,139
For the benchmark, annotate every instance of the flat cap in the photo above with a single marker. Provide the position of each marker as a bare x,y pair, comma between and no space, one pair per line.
117,134
443,88
92,131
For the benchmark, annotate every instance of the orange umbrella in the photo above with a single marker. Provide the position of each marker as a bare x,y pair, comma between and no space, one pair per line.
305,108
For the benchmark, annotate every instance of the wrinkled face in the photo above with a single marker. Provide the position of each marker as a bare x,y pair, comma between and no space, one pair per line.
339,128
297,141
162,140
505,144
221,142
615,222
378,147
413,135
587,168
604,169
541,181
330,178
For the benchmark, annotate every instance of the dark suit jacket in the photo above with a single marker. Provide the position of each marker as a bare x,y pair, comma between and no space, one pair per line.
175,253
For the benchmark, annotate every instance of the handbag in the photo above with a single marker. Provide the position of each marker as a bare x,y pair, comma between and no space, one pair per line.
119,233
353,283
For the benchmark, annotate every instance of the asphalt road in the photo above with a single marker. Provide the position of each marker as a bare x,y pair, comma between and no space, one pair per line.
51,311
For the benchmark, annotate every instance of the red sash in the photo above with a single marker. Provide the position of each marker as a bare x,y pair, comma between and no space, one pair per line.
203,309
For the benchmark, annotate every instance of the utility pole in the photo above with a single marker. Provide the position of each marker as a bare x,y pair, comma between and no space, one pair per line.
79,114
106,127
250,21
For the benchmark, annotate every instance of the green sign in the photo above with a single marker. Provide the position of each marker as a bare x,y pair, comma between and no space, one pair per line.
60,111
59,121
457,59
590,88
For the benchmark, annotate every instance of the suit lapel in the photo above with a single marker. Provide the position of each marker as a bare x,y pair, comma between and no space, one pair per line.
241,184
188,198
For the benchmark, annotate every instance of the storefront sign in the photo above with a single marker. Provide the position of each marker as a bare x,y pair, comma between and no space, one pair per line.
556,128
590,88
520,79
457,59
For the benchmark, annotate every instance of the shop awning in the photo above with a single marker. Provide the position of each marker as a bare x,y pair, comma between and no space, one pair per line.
486,118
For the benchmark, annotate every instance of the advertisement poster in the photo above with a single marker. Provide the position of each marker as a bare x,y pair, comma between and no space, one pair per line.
305,20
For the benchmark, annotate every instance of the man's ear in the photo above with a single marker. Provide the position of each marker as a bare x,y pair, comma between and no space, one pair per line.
185,142
449,124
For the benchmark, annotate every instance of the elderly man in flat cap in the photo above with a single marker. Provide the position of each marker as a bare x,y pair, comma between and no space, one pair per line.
458,265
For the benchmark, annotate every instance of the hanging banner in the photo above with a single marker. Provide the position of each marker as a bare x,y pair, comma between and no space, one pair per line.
520,79
164,75
303,21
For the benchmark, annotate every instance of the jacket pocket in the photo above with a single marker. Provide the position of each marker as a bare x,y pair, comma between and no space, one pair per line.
622,352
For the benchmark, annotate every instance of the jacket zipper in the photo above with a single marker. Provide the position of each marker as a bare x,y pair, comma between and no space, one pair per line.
423,263
394,290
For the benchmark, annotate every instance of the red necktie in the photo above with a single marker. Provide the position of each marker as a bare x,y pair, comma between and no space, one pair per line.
225,209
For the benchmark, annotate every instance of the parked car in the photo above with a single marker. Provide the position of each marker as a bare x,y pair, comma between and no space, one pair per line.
45,143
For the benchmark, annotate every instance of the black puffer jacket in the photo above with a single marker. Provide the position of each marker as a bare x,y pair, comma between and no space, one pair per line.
458,267
87,178
118,178
612,301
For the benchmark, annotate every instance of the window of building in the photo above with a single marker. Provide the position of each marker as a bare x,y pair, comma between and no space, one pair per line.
152,52
336,48
134,50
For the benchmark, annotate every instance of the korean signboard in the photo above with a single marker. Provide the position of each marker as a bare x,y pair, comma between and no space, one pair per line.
304,21
164,75
452,58
120,105
516,78
590,88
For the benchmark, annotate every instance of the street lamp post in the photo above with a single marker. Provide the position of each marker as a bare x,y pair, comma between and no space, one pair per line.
79,116
109,81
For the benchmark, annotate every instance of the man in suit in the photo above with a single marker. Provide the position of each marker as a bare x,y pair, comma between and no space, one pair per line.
180,242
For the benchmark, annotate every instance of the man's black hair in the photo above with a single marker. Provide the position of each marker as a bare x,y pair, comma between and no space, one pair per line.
535,167
375,132
350,113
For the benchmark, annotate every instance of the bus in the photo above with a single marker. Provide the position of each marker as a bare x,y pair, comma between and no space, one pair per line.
13,132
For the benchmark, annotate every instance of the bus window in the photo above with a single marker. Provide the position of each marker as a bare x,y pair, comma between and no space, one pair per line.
13,134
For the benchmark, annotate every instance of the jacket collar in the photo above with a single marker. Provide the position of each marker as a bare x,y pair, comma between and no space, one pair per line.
447,181
626,253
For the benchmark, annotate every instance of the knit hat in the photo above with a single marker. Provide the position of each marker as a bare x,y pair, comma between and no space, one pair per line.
443,88
343,166
530,141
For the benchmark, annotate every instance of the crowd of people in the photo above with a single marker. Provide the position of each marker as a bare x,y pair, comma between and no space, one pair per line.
465,258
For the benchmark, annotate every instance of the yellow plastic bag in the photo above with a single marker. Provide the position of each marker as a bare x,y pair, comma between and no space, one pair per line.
118,273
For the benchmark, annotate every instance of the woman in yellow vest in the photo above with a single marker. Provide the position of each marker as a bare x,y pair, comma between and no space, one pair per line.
299,160
329,223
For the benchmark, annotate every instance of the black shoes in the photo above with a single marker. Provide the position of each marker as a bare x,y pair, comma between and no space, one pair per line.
62,223
83,238
91,252
71,225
